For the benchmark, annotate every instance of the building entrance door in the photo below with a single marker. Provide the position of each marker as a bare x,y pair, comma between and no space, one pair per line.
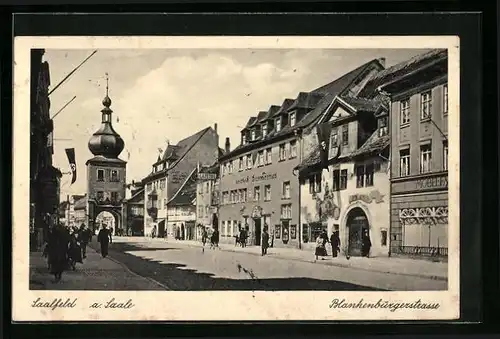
357,222
258,231
161,229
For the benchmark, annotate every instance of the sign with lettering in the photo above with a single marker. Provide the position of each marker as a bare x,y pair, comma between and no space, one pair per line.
257,178
178,177
434,182
206,176
368,198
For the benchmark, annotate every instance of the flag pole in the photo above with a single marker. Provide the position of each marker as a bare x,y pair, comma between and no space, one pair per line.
72,72
69,102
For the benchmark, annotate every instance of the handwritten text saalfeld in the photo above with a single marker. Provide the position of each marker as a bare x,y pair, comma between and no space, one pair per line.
71,303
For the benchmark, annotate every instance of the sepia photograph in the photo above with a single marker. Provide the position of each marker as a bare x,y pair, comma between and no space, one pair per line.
238,168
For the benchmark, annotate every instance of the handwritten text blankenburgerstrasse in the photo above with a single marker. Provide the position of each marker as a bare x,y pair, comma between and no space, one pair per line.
383,304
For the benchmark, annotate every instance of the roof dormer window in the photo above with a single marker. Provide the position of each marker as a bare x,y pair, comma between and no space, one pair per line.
264,130
278,124
293,119
243,138
254,135
383,129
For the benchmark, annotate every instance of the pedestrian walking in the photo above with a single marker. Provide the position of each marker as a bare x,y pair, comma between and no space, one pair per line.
214,243
57,251
366,244
85,236
74,251
320,251
204,238
265,242
104,238
335,242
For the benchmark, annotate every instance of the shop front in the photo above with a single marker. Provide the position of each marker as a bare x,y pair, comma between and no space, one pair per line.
419,216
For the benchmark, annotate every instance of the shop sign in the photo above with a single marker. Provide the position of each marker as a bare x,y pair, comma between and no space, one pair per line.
206,176
257,178
375,196
434,182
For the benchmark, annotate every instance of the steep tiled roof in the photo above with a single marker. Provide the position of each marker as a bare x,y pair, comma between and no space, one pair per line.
170,153
215,168
402,68
366,105
306,100
271,112
261,116
181,149
328,93
81,204
250,122
375,143
187,193
284,107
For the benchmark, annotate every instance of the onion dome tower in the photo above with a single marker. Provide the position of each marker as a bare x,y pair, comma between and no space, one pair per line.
106,173
105,141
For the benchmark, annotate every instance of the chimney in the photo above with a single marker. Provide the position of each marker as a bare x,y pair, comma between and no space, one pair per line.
227,146
215,127
382,61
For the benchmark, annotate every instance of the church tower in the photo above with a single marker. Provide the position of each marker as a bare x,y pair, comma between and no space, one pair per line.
106,172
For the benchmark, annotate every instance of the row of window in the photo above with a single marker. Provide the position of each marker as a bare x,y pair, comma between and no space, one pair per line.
263,130
111,175
112,196
240,195
261,158
425,159
425,106
157,184
203,211
364,178
204,187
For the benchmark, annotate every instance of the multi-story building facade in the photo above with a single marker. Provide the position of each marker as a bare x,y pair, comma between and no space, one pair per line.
68,210
207,199
419,153
170,172
80,209
181,212
45,179
133,213
352,194
259,188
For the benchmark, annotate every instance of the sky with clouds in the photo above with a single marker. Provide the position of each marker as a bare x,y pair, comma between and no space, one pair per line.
164,95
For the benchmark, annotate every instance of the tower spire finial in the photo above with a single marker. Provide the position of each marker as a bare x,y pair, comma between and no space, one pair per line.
107,101
107,83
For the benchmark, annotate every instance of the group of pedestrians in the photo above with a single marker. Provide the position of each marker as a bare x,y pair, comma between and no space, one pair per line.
334,240
214,239
65,247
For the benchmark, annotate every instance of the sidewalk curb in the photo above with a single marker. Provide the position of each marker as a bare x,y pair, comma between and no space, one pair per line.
125,267
277,256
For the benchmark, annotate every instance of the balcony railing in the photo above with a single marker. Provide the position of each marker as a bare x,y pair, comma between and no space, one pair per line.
424,251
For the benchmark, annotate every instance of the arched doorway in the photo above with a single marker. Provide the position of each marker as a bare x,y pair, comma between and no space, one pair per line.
357,222
110,219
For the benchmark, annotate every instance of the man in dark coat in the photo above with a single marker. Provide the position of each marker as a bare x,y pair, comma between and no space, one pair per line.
215,239
335,242
57,250
104,238
265,242
366,244
85,236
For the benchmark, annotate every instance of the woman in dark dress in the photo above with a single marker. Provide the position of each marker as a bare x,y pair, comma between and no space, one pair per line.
321,241
57,249
104,238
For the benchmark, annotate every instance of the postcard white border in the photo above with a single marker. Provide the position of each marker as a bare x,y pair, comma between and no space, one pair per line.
222,305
